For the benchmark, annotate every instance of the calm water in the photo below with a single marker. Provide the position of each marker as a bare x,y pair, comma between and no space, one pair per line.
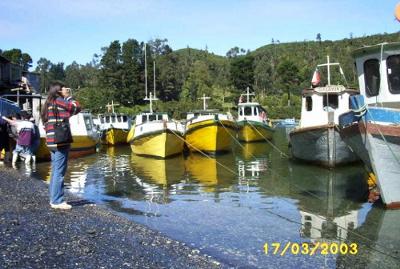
231,205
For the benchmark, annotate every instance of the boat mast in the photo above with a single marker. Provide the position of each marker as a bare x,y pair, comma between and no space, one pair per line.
145,69
329,71
154,78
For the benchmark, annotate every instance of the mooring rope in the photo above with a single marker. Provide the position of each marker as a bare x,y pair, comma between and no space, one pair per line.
269,142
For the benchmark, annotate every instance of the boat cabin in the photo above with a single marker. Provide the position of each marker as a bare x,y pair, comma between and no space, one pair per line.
151,117
114,120
378,70
323,105
251,111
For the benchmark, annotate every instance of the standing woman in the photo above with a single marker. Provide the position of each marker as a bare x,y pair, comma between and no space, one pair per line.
59,107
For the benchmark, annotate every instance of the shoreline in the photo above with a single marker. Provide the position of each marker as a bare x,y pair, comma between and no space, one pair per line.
88,236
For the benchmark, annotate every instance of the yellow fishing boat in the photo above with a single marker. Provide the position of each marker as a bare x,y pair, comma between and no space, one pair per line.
253,122
114,128
155,135
209,131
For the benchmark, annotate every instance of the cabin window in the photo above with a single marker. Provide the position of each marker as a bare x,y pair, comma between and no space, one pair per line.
152,117
113,119
124,118
248,111
372,77
144,118
102,120
331,100
241,111
308,103
255,111
108,119
393,73
88,123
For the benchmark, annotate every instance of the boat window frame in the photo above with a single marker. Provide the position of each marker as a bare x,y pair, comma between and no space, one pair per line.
374,92
248,109
308,103
393,76
326,99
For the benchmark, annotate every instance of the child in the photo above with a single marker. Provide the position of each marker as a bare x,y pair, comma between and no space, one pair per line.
25,130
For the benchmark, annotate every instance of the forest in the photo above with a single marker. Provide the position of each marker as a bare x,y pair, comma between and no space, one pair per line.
276,72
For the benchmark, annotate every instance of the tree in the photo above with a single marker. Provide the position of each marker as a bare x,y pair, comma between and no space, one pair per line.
43,66
132,86
288,76
16,56
111,70
319,38
73,76
57,72
263,75
198,82
242,72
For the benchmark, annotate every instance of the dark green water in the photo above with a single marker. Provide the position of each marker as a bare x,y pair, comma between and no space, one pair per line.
231,205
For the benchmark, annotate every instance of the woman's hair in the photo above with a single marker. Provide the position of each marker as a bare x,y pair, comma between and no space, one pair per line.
52,94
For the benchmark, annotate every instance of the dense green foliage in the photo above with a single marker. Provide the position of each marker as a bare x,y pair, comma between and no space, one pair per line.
276,73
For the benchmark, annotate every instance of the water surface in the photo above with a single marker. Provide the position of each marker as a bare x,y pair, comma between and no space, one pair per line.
231,205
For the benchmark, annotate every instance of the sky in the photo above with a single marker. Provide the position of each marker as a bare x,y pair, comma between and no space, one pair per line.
68,30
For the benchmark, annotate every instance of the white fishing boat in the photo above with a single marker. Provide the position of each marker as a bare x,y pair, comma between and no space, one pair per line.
84,134
372,128
154,134
253,123
317,139
209,130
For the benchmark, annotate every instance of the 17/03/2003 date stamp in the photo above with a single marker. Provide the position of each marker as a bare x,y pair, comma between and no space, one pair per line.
310,249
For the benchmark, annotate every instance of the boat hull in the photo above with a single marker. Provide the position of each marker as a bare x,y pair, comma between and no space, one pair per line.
210,136
254,131
82,146
160,144
321,145
379,147
114,136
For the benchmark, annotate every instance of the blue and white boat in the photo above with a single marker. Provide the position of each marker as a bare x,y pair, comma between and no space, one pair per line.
372,127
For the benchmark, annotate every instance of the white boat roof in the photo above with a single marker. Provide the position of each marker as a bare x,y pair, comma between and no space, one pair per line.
249,104
329,89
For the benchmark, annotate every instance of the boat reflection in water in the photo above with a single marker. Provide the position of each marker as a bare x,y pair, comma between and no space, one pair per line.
332,208
252,161
378,241
214,174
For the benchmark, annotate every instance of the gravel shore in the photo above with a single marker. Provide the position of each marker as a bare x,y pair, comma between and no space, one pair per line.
35,236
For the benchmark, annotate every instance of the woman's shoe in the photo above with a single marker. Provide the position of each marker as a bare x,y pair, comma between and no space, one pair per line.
62,205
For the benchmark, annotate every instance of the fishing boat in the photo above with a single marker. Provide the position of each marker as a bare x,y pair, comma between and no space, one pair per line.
317,139
253,123
209,131
84,134
113,127
372,127
155,134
